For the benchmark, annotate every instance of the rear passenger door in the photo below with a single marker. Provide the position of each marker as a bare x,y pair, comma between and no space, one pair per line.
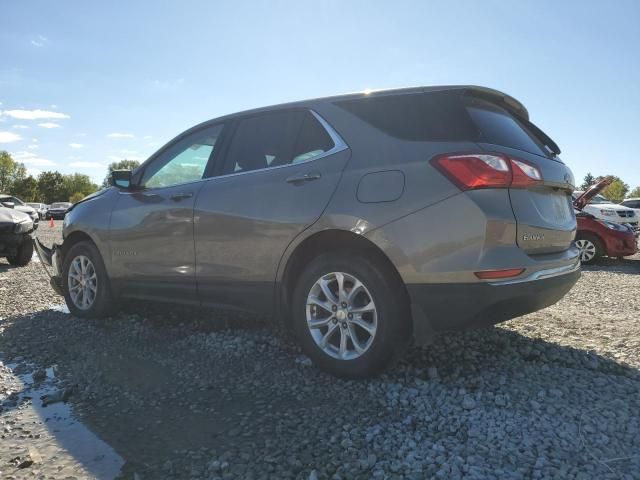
279,172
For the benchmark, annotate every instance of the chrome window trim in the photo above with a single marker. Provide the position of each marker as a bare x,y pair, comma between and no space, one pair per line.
542,274
338,146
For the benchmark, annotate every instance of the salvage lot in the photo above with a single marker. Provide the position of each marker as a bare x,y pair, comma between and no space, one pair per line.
182,393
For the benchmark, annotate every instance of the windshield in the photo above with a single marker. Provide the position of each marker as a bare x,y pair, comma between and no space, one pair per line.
16,201
599,199
60,205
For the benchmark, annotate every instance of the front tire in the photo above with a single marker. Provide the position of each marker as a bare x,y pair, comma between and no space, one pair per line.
24,254
590,247
351,317
87,290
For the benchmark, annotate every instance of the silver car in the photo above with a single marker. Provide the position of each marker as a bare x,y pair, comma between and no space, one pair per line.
363,222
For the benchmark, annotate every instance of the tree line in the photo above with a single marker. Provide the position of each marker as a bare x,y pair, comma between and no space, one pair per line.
51,186
616,191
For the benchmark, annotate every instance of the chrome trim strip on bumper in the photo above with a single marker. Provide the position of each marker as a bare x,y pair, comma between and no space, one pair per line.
542,274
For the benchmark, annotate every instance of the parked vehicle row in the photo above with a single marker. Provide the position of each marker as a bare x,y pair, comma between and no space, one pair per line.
58,210
598,236
604,209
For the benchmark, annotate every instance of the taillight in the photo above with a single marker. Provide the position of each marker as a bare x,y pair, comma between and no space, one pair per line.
472,171
524,174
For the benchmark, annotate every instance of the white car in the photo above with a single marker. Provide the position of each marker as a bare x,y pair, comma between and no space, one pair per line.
20,206
633,203
604,209
41,208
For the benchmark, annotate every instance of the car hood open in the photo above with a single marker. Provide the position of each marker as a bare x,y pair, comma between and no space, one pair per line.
580,202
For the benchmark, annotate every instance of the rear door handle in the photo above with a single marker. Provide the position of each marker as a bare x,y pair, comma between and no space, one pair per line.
181,196
307,177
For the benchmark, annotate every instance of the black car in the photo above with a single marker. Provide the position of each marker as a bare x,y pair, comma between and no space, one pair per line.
15,236
58,210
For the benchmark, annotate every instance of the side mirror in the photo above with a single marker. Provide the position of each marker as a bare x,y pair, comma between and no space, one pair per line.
121,179
9,204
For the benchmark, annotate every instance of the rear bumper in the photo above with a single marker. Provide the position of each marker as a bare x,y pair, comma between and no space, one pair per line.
441,307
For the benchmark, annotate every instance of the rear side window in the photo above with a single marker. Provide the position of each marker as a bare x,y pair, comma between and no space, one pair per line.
445,116
498,127
313,140
275,139
436,116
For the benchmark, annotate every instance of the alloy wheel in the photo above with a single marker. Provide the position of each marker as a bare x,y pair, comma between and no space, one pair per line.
341,316
587,250
82,282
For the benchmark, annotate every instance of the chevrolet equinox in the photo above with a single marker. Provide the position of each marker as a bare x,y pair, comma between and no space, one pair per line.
363,222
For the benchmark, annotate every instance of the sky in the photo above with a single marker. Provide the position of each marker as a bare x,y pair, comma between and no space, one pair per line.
83,84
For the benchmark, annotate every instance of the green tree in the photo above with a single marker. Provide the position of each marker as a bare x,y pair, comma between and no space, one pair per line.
635,193
121,165
50,185
26,189
77,183
76,197
617,190
588,181
10,171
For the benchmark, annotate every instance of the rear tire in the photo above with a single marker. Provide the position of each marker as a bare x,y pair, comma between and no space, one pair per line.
86,286
25,252
377,305
590,246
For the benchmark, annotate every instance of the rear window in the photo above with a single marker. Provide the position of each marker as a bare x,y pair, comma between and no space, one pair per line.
437,116
499,127
444,116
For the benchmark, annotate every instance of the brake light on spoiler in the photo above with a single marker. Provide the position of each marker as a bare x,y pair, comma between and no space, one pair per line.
472,171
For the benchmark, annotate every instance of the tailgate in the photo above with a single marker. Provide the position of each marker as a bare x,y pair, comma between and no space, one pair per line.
545,217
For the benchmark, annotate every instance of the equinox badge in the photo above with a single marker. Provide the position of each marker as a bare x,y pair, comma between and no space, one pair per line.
533,236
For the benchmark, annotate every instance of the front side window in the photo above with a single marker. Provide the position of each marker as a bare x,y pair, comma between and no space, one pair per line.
276,139
183,162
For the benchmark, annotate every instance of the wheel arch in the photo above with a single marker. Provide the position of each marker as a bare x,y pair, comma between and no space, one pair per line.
332,240
76,237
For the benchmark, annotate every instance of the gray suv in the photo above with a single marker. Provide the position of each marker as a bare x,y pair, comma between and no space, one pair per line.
362,222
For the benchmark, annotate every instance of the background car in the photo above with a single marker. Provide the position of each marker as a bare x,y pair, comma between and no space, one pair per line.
605,209
15,236
633,203
597,237
58,210
41,208
17,204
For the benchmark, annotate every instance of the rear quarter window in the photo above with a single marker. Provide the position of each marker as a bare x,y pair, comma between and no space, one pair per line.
436,116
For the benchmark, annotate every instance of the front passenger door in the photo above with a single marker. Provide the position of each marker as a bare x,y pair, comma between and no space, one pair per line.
151,229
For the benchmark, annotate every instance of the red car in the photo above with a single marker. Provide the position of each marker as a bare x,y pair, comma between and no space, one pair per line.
595,237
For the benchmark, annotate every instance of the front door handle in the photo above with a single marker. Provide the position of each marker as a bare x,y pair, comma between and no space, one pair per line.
307,177
181,196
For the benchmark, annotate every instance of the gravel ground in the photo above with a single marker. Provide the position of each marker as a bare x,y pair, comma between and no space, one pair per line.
185,393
